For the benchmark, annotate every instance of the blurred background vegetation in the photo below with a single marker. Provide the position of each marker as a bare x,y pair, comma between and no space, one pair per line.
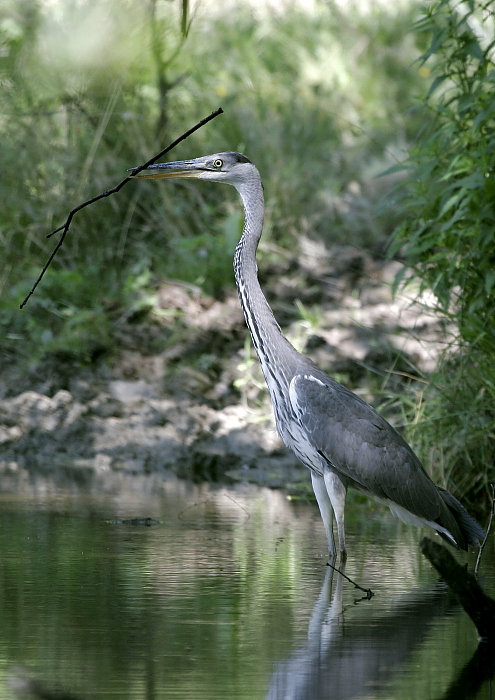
447,237
318,100
322,97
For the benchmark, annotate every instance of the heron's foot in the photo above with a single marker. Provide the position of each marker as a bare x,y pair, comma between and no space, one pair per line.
341,570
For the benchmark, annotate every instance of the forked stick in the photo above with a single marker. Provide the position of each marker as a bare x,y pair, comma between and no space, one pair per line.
65,227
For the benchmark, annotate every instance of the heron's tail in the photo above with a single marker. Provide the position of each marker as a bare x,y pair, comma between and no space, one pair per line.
469,532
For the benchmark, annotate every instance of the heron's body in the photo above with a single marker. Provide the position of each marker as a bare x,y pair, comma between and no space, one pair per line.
338,436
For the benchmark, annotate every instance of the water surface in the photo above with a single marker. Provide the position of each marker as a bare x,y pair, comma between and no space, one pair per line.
224,595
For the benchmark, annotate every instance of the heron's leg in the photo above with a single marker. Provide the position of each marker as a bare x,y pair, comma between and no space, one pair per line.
326,510
337,493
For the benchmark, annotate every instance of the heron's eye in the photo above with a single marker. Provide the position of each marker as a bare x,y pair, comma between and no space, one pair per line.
217,163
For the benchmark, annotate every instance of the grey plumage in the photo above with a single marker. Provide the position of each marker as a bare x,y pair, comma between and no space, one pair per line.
338,436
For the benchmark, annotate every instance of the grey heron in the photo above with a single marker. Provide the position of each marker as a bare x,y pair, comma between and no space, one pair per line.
341,439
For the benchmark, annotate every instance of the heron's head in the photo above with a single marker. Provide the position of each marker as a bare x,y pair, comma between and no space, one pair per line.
230,167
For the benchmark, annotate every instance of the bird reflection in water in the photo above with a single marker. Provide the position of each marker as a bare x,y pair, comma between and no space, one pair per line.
345,660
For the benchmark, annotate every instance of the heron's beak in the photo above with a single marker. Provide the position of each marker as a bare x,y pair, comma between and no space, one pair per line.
179,169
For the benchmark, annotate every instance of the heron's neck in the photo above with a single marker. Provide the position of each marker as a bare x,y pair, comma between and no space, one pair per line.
273,349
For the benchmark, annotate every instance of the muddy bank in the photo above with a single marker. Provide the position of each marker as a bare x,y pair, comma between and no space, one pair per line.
130,430
183,393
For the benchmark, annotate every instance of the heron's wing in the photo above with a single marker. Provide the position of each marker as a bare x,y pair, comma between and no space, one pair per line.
360,445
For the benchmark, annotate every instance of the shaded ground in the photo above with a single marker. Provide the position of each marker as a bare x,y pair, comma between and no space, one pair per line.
183,392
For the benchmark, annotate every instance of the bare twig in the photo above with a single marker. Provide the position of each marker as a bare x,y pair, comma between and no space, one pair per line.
65,227
478,558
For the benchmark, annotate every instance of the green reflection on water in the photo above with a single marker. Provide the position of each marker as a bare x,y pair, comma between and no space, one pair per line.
213,602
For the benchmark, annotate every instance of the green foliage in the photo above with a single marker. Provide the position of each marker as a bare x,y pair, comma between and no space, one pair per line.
454,426
206,259
448,233
92,88
76,322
